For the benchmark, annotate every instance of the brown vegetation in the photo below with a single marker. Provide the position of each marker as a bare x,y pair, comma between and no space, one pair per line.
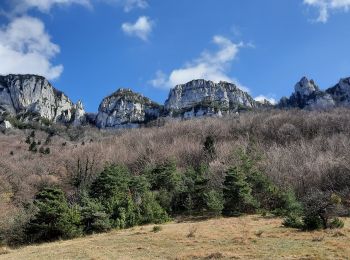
301,150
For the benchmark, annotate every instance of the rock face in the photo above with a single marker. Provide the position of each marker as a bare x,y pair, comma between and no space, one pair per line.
341,92
126,109
33,95
308,95
205,98
79,115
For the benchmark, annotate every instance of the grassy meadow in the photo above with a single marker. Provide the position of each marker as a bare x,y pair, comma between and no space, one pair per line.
247,237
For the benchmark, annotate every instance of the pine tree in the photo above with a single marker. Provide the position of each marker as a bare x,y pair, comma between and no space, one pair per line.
237,193
54,218
113,182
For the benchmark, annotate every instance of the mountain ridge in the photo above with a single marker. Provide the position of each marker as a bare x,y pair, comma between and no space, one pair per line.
30,97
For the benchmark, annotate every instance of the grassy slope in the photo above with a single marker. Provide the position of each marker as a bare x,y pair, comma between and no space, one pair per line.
248,237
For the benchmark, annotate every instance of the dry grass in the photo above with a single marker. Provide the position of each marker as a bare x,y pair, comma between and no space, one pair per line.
223,238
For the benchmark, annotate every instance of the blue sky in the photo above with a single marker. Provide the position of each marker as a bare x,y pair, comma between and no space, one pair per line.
90,48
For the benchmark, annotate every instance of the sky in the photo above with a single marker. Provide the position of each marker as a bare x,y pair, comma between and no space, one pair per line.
90,48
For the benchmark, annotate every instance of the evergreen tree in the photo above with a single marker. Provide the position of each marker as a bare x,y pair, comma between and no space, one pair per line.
209,146
237,193
54,218
113,182
93,216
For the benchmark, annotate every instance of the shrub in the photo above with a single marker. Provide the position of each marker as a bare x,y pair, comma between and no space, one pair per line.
319,208
209,147
12,228
32,147
336,223
312,222
156,229
293,221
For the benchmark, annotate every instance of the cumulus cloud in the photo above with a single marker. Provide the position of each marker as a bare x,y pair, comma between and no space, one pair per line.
262,98
25,47
209,65
141,28
326,6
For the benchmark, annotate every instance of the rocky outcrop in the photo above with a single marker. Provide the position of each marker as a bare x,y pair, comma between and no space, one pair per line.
125,108
79,115
32,95
206,98
341,92
308,95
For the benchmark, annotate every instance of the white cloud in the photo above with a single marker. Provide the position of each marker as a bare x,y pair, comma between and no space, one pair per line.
25,47
141,28
133,4
326,6
261,98
22,6
210,66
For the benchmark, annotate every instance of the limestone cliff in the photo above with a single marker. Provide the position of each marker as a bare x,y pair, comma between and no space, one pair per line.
125,108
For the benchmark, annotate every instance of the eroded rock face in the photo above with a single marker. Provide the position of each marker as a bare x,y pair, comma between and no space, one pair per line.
341,92
125,108
308,95
34,95
203,98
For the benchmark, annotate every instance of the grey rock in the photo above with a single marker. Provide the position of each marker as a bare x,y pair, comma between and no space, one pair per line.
341,92
34,95
126,109
79,114
307,95
205,98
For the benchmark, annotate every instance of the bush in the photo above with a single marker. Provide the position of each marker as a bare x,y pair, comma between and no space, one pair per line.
12,228
209,147
319,208
336,223
293,221
156,229
286,204
312,222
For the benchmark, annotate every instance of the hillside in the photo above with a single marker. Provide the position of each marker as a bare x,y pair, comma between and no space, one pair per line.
250,237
